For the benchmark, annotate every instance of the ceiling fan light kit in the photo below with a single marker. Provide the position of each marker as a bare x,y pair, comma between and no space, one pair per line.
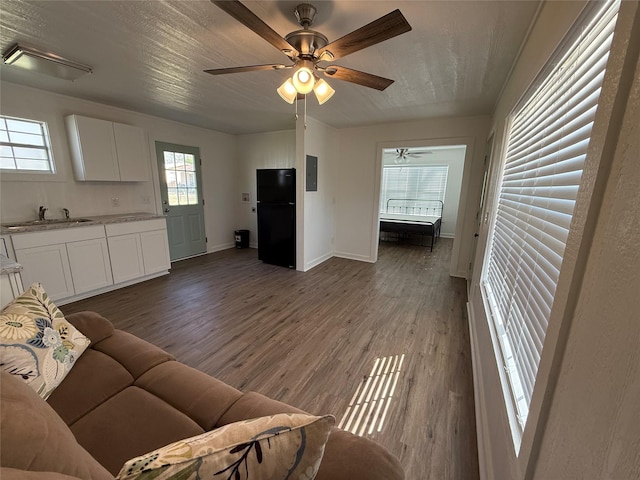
303,78
306,48
323,91
287,91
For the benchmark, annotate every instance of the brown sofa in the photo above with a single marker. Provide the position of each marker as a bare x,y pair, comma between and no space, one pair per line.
125,397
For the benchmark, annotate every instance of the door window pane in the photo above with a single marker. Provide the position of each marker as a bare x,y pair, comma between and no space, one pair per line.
182,188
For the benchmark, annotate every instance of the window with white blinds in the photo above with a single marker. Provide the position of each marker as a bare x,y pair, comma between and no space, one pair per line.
413,182
546,147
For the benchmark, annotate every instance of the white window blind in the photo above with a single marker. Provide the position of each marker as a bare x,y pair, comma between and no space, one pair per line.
413,182
546,147
24,145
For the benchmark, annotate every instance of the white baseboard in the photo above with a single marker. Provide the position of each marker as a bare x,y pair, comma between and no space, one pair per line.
314,263
350,256
484,446
218,248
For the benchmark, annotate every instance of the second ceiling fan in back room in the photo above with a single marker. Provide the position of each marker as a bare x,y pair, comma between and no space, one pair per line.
307,49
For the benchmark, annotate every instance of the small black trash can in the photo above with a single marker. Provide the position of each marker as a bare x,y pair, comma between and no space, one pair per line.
242,238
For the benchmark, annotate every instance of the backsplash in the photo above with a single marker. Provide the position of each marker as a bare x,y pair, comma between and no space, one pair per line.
20,200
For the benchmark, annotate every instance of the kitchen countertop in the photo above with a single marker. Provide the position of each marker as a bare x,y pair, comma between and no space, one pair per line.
8,229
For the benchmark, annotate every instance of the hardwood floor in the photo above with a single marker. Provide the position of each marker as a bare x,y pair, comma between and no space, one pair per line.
313,339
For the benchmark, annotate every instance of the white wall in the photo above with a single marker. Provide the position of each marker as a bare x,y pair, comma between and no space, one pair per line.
357,181
260,150
454,159
20,195
583,421
319,141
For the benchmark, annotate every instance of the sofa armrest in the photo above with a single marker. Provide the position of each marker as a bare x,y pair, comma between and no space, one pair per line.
346,456
92,325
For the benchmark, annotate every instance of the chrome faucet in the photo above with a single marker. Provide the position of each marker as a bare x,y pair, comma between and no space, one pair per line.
41,212
66,213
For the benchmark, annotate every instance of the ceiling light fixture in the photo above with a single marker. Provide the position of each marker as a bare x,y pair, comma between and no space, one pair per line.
287,91
303,78
47,63
323,91
303,81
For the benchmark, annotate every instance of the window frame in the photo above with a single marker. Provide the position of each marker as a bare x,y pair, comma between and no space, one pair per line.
574,238
46,137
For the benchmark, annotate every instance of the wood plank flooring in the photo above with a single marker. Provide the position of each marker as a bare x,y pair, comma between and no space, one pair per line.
312,340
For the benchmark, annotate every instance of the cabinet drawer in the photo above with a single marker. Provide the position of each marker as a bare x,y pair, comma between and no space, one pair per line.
53,237
126,228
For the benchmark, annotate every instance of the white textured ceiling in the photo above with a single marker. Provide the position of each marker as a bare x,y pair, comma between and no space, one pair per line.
148,56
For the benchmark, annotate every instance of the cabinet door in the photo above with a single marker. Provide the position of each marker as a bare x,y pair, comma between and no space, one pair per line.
48,265
89,263
155,251
93,148
132,153
126,257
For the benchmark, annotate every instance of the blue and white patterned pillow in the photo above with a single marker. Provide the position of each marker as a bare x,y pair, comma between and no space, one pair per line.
37,344
283,446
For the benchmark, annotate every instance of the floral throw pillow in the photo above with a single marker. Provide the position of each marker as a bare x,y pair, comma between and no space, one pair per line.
277,447
37,344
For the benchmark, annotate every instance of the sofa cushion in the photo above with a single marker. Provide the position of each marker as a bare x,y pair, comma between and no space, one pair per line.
37,344
350,455
279,446
34,437
95,378
131,423
92,325
200,396
135,354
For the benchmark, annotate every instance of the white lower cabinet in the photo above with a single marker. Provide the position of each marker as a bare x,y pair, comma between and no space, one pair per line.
155,251
48,265
90,266
138,248
71,263
126,257
66,262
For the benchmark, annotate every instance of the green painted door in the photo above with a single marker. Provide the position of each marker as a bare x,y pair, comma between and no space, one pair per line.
182,203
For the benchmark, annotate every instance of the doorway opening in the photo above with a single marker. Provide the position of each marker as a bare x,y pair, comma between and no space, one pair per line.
419,193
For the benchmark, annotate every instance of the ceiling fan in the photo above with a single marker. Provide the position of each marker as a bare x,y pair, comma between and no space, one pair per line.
404,155
307,49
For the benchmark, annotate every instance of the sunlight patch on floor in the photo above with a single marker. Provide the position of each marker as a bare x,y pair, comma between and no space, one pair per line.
369,406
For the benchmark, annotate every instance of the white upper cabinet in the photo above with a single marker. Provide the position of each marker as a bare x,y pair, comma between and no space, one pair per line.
107,151
132,153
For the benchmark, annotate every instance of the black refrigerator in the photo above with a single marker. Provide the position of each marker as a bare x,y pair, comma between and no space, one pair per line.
277,216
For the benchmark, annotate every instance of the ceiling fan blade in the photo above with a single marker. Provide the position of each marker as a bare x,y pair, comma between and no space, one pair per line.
248,68
356,76
384,28
245,16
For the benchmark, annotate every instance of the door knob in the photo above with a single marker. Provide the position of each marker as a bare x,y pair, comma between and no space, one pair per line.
166,210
